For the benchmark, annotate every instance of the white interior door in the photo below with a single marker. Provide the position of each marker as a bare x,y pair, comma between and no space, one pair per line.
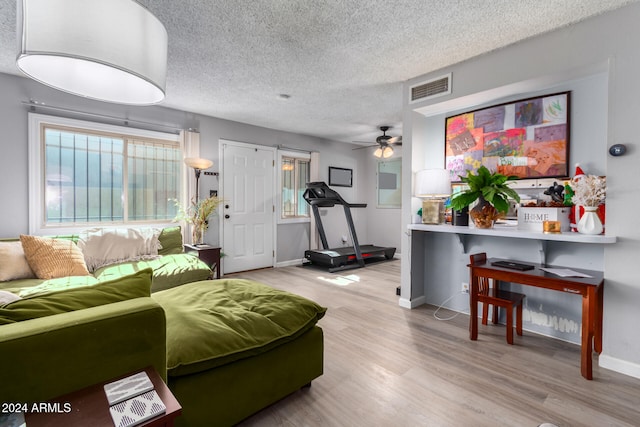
248,214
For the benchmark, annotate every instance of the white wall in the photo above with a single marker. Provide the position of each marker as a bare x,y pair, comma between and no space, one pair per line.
605,50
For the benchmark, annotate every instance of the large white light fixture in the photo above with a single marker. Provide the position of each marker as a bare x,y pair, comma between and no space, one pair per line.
110,50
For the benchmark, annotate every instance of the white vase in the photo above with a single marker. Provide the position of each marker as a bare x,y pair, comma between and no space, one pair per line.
590,221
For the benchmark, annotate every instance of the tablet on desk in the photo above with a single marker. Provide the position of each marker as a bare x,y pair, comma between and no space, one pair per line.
513,265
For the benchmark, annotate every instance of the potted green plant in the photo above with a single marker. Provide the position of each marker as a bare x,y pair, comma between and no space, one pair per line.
491,190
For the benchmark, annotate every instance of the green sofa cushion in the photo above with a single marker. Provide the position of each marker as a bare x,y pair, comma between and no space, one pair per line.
33,287
171,241
168,271
215,322
62,297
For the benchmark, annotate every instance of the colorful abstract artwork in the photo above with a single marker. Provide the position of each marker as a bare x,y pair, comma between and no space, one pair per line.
527,138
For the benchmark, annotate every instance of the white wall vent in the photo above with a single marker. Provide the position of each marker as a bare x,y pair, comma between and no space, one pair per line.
433,88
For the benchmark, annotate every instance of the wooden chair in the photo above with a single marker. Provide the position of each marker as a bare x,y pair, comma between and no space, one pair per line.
498,298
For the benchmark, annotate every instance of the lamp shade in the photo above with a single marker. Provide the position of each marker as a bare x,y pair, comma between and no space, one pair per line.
433,183
109,50
196,163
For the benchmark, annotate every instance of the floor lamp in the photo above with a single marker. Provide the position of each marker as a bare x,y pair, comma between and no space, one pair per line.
198,166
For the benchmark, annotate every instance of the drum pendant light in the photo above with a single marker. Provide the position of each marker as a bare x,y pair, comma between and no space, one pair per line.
109,50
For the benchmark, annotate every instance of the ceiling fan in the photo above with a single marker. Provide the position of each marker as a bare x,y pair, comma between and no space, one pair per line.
384,143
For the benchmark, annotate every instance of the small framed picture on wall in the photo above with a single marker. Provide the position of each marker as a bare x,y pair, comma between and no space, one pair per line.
340,177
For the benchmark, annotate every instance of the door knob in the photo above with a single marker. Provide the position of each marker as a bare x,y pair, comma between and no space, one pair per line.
227,216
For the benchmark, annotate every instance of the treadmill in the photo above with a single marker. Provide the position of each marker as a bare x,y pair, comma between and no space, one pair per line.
320,195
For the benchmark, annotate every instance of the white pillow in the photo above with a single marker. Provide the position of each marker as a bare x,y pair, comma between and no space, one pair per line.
13,263
7,297
102,246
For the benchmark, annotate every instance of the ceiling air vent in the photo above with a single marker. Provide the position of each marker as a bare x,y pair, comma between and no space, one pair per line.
431,89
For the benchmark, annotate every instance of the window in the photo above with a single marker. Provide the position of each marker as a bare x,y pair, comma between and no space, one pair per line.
390,183
294,177
87,173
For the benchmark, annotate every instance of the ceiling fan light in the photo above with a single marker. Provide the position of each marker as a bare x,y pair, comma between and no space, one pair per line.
378,152
387,152
109,50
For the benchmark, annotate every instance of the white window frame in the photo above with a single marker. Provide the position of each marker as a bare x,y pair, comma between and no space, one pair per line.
37,225
296,155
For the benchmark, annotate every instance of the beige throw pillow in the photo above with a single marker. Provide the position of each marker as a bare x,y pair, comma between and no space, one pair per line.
13,263
50,258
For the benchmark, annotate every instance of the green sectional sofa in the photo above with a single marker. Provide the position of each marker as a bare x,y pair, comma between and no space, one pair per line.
172,268
227,348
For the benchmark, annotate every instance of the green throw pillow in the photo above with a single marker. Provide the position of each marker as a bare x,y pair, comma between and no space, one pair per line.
171,240
124,288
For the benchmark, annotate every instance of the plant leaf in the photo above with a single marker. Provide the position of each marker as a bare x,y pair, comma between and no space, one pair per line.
500,204
464,199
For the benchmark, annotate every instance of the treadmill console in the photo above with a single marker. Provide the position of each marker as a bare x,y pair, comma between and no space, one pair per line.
320,194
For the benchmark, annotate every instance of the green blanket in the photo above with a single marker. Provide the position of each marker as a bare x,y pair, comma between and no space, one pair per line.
65,294
214,322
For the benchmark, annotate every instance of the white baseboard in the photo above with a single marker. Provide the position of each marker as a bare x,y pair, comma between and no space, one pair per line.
405,303
290,263
619,365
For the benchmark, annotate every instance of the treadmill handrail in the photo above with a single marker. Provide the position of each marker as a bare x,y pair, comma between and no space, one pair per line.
323,203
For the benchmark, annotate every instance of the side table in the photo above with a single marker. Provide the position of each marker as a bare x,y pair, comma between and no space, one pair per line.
90,407
207,253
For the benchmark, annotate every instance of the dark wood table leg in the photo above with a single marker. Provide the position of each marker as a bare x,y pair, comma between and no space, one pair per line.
473,306
597,340
587,333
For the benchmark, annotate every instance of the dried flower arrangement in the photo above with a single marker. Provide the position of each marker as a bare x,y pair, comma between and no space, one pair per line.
589,190
197,214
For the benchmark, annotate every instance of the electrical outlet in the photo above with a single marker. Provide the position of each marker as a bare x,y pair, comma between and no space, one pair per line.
465,288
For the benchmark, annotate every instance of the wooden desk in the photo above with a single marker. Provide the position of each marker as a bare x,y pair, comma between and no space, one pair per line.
589,288
209,254
89,407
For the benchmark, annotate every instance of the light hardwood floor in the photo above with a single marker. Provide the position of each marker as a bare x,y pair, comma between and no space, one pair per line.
390,366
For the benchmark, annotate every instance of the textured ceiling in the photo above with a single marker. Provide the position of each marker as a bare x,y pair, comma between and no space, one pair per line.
341,61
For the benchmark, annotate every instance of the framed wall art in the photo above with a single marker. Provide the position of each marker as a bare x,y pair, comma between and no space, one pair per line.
528,138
